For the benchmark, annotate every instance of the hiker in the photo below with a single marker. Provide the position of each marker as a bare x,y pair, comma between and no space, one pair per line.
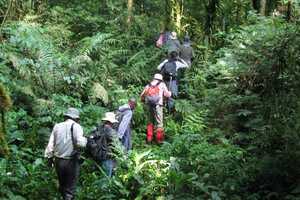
173,43
102,143
164,36
186,51
153,95
125,113
62,151
169,69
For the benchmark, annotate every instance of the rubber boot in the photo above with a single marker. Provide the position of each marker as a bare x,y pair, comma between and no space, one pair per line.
160,135
150,128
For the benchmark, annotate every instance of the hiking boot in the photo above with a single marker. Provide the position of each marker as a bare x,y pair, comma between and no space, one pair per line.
150,128
160,135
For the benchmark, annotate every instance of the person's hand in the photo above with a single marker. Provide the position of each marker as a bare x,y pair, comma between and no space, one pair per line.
50,162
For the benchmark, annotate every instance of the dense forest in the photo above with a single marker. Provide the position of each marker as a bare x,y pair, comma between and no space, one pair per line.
236,130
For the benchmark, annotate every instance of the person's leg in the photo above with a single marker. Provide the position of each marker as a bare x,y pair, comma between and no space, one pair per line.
129,139
160,127
71,177
108,166
68,172
150,126
173,87
59,168
126,140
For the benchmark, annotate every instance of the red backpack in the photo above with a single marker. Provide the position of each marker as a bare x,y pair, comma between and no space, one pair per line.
152,94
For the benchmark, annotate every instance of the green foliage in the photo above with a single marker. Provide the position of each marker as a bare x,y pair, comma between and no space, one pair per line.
235,130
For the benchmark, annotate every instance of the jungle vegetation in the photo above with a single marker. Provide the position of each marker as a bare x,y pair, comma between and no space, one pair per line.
236,131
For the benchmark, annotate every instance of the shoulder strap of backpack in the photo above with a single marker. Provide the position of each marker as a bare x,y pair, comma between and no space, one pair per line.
72,135
54,139
164,66
155,84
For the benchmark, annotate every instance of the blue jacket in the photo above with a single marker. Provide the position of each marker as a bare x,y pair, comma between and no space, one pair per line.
124,124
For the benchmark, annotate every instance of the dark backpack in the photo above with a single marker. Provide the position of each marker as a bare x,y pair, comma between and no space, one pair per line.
97,145
152,95
169,70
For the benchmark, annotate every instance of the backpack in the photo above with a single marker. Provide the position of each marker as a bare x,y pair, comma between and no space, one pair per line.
169,70
97,145
152,95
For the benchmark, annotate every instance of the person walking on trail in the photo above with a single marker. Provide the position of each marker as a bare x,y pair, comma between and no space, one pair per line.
110,141
186,51
169,69
173,43
153,95
164,36
62,151
103,143
125,113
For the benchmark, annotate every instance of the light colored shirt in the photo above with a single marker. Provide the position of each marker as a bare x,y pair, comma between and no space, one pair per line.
163,91
60,143
124,125
179,64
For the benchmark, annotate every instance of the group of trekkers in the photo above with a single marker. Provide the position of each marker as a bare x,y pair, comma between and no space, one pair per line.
66,139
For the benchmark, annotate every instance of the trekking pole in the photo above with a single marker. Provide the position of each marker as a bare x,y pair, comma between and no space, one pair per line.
170,98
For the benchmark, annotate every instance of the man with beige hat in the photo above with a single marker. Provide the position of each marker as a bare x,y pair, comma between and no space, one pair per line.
173,43
62,151
110,140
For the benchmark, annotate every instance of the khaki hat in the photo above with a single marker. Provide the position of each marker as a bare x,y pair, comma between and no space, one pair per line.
110,116
158,77
72,112
173,35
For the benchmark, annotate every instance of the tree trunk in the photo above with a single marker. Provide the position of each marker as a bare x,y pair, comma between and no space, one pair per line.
289,11
255,5
3,144
177,14
129,12
262,8
168,16
211,10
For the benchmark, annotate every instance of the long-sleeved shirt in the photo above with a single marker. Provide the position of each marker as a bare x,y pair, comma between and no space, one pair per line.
179,64
60,143
163,91
124,125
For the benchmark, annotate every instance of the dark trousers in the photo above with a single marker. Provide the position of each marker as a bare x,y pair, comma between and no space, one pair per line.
173,87
67,172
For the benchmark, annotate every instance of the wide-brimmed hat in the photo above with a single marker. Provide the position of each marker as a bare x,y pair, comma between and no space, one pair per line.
72,112
158,77
110,116
173,35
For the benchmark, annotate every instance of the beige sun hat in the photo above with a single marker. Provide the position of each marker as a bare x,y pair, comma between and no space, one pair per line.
110,116
72,112
158,77
173,35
